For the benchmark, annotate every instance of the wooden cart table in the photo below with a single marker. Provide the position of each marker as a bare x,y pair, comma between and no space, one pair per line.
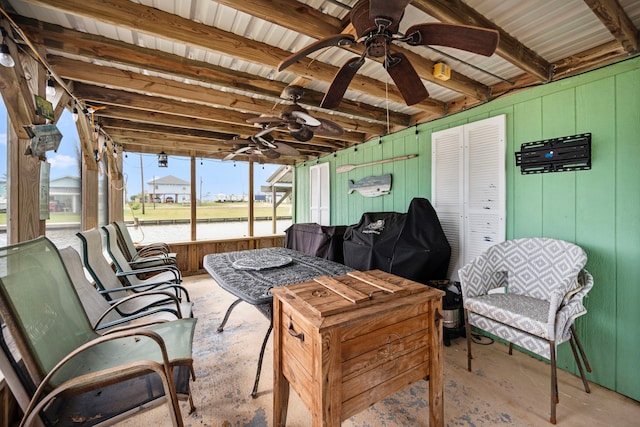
346,343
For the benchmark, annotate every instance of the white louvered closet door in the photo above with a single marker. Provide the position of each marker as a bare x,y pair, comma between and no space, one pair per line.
468,187
484,187
320,201
447,188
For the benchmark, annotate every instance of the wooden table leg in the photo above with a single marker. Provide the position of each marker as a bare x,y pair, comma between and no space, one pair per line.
280,383
436,367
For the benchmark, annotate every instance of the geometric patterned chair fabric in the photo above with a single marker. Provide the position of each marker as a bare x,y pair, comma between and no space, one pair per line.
528,292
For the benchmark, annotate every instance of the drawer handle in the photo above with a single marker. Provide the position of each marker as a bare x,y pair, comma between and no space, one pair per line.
293,333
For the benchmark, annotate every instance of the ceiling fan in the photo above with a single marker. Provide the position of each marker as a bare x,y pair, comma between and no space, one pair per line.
260,145
376,24
301,125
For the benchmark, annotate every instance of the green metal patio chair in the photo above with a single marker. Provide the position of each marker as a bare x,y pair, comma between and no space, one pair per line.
147,254
149,306
62,371
169,273
108,282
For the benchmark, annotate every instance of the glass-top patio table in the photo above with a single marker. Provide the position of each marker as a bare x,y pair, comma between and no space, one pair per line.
249,275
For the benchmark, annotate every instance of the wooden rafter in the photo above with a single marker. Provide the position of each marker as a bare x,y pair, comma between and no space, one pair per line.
93,47
162,24
617,22
456,11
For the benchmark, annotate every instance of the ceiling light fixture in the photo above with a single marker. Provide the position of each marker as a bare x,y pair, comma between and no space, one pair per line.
5,57
163,160
51,88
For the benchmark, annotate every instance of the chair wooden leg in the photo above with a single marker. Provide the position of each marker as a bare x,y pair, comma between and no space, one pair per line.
510,349
554,382
578,362
467,328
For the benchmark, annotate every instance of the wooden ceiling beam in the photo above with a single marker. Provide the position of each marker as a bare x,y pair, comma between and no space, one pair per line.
80,71
145,19
145,148
15,88
59,39
509,48
590,59
118,98
150,118
109,123
172,144
613,16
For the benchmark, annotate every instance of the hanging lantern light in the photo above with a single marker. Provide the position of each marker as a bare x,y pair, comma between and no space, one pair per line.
163,160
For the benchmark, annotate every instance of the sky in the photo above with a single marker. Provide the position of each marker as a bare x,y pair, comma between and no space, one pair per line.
213,176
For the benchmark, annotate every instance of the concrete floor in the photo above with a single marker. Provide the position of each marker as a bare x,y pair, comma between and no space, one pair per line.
502,390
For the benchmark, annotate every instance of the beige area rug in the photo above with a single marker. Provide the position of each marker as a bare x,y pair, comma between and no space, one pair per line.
502,390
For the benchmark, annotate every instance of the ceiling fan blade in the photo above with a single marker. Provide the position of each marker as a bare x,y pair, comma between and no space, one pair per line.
285,149
229,156
238,151
265,131
406,79
265,120
303,134
465,37
264,141
389,9
270,154
329,128
305,118
341,82
335,40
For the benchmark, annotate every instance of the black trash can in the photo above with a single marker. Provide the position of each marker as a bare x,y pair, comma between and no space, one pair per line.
452,308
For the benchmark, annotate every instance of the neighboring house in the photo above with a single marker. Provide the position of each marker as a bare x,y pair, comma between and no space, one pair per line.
65,194
169,189
3,196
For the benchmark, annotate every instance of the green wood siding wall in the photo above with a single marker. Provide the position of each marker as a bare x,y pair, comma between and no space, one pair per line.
598,209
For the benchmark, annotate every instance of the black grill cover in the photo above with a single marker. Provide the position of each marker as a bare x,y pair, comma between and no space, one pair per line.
317,240
410,245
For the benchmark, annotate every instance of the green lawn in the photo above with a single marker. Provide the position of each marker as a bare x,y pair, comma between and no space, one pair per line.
178,211
208,210
54,217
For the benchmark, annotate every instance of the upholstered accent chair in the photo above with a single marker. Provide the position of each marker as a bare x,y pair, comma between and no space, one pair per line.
528,292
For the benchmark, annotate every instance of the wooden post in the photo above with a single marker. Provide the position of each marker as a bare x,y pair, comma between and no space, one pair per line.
116,189
89,196
24,192
251,207
193,196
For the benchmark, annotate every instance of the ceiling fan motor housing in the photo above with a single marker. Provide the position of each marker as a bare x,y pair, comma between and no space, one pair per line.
364,24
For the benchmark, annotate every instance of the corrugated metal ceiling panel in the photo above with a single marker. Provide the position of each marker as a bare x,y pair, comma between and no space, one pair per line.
554,29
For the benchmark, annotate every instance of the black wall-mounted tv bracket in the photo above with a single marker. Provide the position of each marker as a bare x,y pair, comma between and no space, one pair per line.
567,153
